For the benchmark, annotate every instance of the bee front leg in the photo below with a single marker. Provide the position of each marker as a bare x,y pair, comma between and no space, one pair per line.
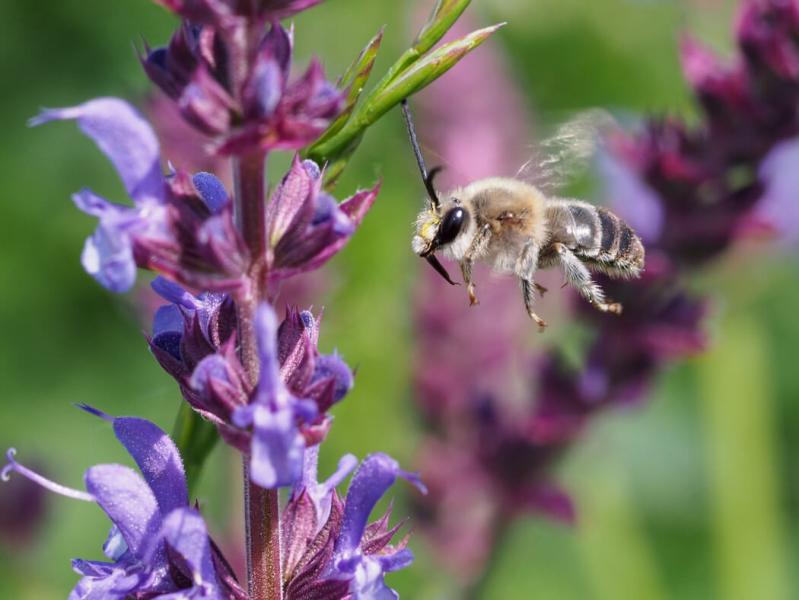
475,250
466,271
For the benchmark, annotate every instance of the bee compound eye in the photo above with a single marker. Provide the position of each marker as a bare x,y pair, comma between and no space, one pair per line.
451,225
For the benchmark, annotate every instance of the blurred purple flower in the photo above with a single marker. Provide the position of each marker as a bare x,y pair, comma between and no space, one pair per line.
692,192
157,544
173,227
330,551
188,149
23,512
306,226
779,209
479,462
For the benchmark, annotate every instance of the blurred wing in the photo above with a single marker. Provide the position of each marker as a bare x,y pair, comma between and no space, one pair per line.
560,158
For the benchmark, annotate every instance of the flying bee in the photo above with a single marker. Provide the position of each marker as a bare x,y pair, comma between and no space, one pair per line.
516,228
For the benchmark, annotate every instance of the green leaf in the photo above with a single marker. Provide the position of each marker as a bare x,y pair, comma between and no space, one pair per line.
424,71
195,438
353,81
443,16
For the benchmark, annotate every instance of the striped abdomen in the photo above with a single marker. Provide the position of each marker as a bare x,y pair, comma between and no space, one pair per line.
597,236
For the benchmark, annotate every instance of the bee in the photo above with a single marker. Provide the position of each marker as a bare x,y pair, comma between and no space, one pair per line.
517,229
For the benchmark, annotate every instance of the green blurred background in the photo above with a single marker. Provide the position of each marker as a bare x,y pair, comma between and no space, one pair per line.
692,496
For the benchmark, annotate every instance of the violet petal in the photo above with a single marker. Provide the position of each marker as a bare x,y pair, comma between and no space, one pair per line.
158,459
184,530
211,190
124,137
128,501
277,448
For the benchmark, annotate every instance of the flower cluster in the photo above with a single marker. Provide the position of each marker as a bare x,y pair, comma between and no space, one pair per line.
220,256
221,253
181,225
325,535
690,192
244,106
159,546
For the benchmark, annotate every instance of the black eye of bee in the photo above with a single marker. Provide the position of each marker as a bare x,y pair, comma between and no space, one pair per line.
451,225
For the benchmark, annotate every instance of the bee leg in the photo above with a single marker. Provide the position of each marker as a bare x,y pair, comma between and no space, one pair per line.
540,289
528,293
577,274
525,269
466,271
475,250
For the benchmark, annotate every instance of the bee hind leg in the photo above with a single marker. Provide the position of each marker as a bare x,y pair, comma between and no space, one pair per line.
577,275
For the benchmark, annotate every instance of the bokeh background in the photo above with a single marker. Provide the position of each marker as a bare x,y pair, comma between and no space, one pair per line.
695,494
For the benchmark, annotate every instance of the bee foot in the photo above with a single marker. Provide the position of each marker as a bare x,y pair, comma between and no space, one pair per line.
541,289
473,301
610,307
538,321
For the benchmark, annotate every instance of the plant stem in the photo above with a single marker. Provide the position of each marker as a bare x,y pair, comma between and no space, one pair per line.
261,509
477,589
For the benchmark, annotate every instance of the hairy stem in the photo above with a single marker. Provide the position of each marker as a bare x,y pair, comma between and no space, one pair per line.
261,510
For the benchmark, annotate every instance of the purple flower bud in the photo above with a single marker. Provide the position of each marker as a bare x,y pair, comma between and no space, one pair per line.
305,226
183,70
278,114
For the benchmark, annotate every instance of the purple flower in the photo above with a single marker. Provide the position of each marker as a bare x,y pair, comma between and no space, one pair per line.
157,544
194,341
330,552
274,415
243,98
222,12
305,226
188,71
278,115
178,226
779,210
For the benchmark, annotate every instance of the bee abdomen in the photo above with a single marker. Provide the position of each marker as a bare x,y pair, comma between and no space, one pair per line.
619,248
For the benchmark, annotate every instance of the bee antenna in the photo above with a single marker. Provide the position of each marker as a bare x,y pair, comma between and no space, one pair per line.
426,177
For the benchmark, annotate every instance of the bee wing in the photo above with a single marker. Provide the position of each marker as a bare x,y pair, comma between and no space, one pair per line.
559,158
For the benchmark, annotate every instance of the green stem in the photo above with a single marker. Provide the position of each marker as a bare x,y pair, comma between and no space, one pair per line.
477,589
195,438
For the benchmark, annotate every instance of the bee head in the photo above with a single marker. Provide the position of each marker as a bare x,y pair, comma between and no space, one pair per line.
434,226
436,229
